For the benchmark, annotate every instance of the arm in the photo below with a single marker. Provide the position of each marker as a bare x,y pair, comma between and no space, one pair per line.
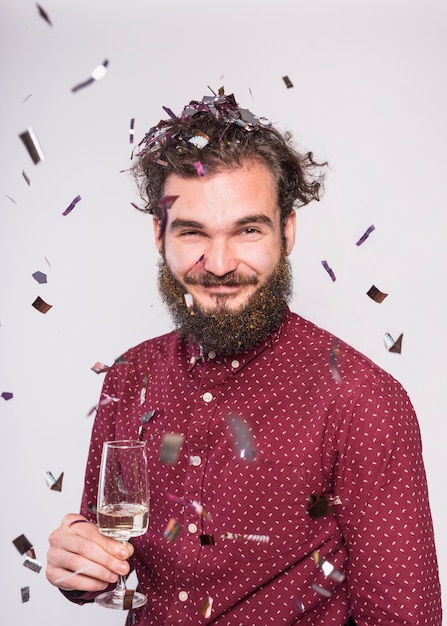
384,515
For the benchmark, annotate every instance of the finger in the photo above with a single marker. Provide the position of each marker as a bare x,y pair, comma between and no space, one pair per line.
84,528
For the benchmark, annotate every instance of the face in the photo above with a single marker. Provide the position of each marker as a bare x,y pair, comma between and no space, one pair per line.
223,237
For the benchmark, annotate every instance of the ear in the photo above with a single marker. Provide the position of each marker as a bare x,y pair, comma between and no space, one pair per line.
290,231
156,224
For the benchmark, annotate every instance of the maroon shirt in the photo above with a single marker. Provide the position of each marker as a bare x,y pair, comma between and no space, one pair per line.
300,430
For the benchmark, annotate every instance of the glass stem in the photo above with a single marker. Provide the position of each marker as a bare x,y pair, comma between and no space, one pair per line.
120,589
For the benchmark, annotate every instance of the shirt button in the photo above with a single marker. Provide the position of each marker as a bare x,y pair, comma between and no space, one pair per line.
192,528
195,460
207,396
211,355
183,596
234,364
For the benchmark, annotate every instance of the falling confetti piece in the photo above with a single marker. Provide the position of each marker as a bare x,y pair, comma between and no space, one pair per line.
26,177
172,530
207,607
99,367
128,599
321,590
58,484
40,277
242,438
189,300
146,417
72,205
328,270
43,14
375,294
41,305
132,130
288,82
9,198
365,235
7,395
397,346
27,97
32,145
24,591
143,390
238,536
22,544
299,604
319,506
327,568
333,356
170,448
98,73
207,540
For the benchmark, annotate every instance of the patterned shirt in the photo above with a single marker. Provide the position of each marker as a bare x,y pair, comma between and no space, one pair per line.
302,419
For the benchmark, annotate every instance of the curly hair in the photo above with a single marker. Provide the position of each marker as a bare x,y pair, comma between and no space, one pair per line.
217,135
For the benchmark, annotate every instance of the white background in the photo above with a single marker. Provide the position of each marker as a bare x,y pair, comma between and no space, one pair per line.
369,96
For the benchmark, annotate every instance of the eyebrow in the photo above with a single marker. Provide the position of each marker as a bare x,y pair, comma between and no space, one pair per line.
179,223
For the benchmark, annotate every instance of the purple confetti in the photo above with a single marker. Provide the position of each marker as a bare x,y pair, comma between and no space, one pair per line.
328,270
132,131
365,235
71,206
165,203
7,395
40,277
97,74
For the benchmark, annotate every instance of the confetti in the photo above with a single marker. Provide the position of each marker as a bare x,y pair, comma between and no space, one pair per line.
32,145
328,270
299,604
319,506
146,417
53,484
207,607
288,82
327,568
200,169
321,590
26,177
32,564
143,390
98,73
199,260
27,97
7,395
9,198
172,530
198,508
189,300
43,14
391,345
333,356
207,540
375,294
22,544
132,130
165,203
200,140
72,205
24,591
40,277
170,448
73,574
99,367
237,536
242,438
128,599
41,305
365,235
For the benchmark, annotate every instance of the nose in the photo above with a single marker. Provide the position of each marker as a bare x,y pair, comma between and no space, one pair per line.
219,258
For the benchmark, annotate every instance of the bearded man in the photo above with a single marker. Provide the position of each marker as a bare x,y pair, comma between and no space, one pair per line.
297,491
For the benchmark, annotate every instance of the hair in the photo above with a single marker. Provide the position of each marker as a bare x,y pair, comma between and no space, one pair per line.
216,135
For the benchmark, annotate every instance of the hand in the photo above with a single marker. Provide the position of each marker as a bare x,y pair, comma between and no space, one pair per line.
81,558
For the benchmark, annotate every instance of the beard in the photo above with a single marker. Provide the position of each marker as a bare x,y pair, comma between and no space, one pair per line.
221,329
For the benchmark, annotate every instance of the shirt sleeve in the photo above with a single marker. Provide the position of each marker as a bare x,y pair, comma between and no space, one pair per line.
384,513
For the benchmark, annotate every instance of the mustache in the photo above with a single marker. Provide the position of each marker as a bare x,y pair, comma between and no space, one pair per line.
232,279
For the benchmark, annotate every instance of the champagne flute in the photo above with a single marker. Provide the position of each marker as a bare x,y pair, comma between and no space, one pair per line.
123,506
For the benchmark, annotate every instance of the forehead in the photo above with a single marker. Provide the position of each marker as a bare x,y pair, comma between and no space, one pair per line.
226,194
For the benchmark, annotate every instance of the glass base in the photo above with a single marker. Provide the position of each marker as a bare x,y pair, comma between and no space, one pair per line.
112,600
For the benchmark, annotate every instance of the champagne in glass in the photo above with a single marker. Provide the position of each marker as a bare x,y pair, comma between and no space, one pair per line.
123,505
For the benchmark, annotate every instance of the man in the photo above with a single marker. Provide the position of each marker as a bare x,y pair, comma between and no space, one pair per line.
298,495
